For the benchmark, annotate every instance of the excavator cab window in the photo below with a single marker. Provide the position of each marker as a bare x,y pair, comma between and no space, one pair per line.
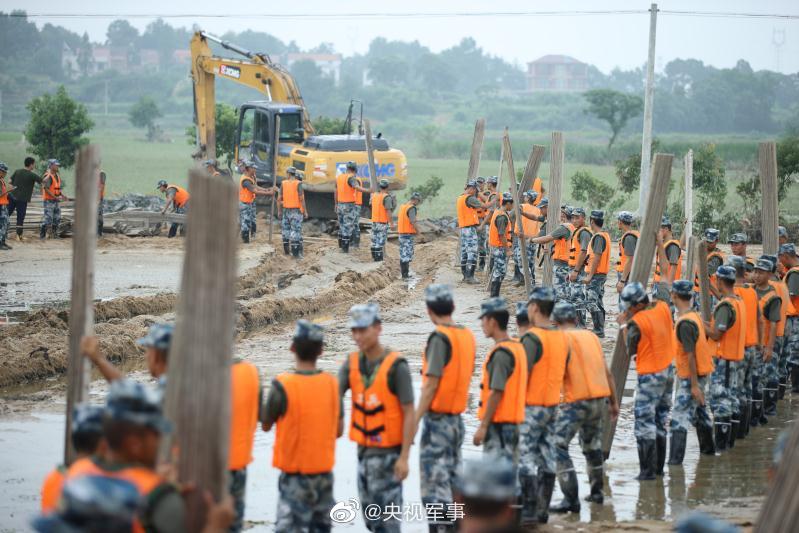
291,129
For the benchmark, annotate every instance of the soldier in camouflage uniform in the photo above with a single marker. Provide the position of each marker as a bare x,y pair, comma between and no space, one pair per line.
306,493
597,272
773,369
627,245
467,205
560,261
771,309
576,287
484,193
248,190
380,229
748,371
4,190
781,347
586,402
348,212
790,262
52,195
406,227
501,224
381,467
530,198
292,211
447,367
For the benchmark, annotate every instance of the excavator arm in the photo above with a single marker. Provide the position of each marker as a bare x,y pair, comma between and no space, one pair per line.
257,71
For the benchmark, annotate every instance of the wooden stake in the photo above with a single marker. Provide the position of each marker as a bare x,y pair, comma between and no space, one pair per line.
275,154
641,268
690,262
649,96
81,314
370,154
704,280
198,388
477,147
518,211
533,163
780,511
689,194
556,164
767,155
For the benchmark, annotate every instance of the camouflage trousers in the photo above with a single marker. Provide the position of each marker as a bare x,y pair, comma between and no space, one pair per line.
537,441
687,412
356,228
757,378
771,368
561,281
577,296
782,364
237,486
482,242
792,342
379,234
585,417
52,215
723,386
502,440
532,248
468,246
594,294
745,374
440,456
378,488
3,223
247,218
653,403
291,226
347,220
499,257
100,219
305,502
406,248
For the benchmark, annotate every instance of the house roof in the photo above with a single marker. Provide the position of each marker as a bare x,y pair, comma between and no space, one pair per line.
556,59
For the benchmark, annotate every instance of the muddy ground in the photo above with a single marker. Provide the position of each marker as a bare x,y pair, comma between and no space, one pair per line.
137,280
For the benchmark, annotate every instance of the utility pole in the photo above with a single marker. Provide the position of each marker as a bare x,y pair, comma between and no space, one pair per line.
646,143
689,194
106,98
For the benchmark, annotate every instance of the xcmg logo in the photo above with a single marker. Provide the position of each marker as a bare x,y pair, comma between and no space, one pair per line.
383,171
231,72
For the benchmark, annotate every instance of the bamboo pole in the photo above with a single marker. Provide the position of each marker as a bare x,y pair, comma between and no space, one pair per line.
689,194
198,389
704,280
275,154
370,154
81,314
518,211
556,164
641,268
477,147
767,156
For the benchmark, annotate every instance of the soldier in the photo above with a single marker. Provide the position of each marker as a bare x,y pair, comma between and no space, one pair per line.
669,246
627,245
737,244
598,265
578,253
179,198
292,211
447,367
486,196
560,251
4,201
305,406
407,228
648,333
589,390
751,368
531,224
23,180
770,305
383,204
248,190
467,205
499,239
694,360
52,195
522,320
546,352
211,167
488,495
344,196
101,179
715,258
787,310
790,263
382,421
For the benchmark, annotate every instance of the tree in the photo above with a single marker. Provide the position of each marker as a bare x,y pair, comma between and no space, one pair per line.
121,34
628,170
56,126
787,163
329,126
587,188
710,186
143,115
389,70
613,107
227,122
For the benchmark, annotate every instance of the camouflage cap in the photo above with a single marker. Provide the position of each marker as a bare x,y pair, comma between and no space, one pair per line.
597,214
726,272
383,184
531,194
161,183
544,202
683,287
625,217
291,171
87,419
136,403
54,161
438,293
736,261
772,259
738,238
711,235
566,210
564,312
542,294
782,231
665,222
787,249
352,165
416,196
488,479
493,305
3,167
209,163
632,294
480,179
521,311
578,212
248,163
472,184
159,336
507,198
764,264
363,315
493,180
308,331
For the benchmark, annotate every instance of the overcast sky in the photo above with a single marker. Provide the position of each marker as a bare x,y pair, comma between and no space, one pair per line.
607,41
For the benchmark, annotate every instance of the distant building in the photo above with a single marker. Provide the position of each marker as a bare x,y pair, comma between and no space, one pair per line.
557,73
181,57
329,64
149,59
104,58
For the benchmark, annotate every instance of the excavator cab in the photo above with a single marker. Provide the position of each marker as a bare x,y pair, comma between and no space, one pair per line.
256,131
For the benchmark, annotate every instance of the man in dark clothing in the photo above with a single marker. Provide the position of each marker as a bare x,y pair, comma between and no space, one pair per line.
23,180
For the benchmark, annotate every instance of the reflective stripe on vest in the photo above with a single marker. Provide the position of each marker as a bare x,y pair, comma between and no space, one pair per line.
656,345
290,192
677,268
531,227
245,389
181,195
51,489
574,249
731,344
786,308
604,261
622,261
585,377
379,211
305,437
749,300
404,226
53,192
794,299
453,385
511,407
344,193
376,420
245,196
703,351
545,380
493,231
560,248
467,216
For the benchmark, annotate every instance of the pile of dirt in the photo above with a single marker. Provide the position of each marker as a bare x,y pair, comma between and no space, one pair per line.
132,306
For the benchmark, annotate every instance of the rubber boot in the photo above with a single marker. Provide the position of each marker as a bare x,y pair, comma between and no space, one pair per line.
528,485
295,251
647,459
481,265
598,319
340,243
496,285
464,266
757,410
795,379
286,247
770,400
373,251
677,449
404,268
660,447
302,249
781,390
379,254
704,435
245,237
4,246
470,274
735,422
518,277
594,461
743,417
722,432
543,496
345,246
568,486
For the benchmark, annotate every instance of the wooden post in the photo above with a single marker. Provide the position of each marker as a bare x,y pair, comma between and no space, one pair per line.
767,155
704,280
198,388
780,511
689,194
641,268
477,147
556,164
690,262
531,169
275,154
370,154
518,211
81,314
649,96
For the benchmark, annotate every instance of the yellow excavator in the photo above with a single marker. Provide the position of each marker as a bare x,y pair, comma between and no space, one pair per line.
320,157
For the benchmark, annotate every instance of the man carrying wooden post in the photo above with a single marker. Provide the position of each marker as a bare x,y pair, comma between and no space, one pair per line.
560,251
468,221
530,226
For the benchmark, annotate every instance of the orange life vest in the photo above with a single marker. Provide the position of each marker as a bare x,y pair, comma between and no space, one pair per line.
731,344
245,196
531,227
305,437
245,388
379,211
560,248
467,216
574,250
359,194
749,300
344,193
404,226
511,407
604,261
794,299
764,301
546,377
622,261
453,386
101,187
483,196
376,420
656,345
712,275
786,309
181,195
51,489
290,192
53,192
585,370
703,350
538,187
493,232
3,193
677,269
